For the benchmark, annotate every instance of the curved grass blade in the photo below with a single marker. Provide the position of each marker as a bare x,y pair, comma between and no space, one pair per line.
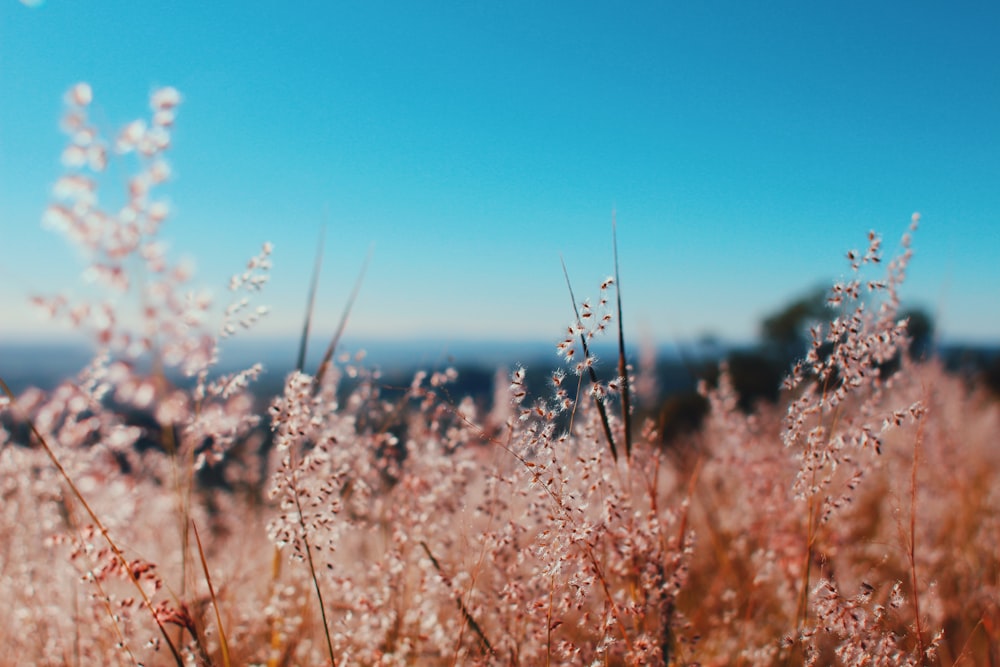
300,364
328,356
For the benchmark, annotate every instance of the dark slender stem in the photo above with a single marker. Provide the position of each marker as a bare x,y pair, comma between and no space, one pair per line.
605,424
458,600
622,365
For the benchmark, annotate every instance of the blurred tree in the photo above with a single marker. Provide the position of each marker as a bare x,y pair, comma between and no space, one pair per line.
756,376
786,332
757,372
921,330
991,375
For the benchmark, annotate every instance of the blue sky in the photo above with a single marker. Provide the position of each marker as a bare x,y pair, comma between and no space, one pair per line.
745,147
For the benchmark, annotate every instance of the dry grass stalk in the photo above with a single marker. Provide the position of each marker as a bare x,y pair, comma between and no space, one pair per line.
853,523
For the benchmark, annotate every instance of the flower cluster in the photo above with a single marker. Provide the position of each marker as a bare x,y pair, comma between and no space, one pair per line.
357,522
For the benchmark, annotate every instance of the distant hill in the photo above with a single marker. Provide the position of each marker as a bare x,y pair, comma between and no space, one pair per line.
45,364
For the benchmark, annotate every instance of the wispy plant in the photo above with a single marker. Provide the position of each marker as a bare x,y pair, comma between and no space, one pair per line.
855,522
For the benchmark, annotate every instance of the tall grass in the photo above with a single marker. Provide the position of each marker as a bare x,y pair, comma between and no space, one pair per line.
856,522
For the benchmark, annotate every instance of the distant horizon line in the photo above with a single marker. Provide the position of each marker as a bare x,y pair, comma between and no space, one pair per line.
35,362
67,340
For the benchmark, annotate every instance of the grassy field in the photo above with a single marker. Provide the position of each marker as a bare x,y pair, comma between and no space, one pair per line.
854,522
